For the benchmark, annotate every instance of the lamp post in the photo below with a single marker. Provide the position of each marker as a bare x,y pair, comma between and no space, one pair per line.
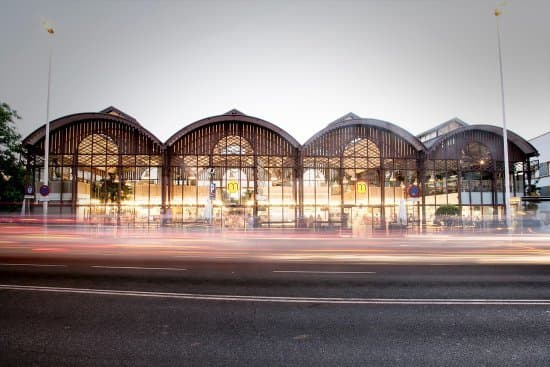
504,130
50,31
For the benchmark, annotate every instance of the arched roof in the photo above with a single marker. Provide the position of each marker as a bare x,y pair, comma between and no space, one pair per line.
352,119
56,124
233,115
526,147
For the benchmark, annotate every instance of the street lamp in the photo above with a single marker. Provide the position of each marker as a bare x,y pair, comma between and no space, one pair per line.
50,31
504,130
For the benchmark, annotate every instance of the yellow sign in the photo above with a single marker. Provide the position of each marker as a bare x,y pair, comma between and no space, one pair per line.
361,187
232,186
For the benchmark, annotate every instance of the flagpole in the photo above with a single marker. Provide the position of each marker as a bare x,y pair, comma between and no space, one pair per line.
504,130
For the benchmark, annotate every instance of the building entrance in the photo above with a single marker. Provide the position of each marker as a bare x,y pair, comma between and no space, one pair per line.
237,217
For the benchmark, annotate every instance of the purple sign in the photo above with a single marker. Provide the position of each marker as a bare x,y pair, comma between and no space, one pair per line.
29,190
413,191
44,190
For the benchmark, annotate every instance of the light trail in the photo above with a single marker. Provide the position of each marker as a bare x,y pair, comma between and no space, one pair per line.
136,268
238,298
35,265
323,272
28,241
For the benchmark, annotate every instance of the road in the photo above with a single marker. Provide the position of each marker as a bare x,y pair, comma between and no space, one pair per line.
60,310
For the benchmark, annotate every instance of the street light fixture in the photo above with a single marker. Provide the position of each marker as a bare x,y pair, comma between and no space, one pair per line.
504,130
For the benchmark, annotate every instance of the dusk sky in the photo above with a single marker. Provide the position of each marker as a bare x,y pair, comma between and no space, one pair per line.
297,64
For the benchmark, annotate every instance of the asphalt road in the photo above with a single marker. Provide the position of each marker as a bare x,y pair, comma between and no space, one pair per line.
176,312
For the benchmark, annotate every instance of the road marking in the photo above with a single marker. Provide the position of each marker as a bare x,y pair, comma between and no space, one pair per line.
221,297
323,272
136,268
39,265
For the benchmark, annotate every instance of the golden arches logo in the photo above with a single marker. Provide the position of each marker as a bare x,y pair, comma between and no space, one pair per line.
361,187
232,187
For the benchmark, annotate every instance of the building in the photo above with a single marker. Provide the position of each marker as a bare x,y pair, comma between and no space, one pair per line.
542,176
238,171
538,199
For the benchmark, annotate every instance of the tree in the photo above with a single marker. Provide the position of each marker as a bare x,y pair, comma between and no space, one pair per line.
448,210
12,170
447,214
108,190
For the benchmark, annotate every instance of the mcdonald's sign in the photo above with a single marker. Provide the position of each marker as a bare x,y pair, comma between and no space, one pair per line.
361,187
232,187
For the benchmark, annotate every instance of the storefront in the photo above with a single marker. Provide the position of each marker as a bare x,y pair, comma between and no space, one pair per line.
235,171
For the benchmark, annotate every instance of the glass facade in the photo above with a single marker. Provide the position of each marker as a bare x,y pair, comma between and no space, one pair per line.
465,169
232,174
356,177
234,171
103,169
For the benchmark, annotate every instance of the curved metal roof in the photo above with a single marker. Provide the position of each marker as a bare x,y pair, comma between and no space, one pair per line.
353,119
233,115
39,133
526,147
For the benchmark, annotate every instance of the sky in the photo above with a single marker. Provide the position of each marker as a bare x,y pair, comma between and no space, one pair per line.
297,64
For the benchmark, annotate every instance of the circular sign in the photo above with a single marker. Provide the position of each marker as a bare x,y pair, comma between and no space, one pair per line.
413,191
44,190
29,190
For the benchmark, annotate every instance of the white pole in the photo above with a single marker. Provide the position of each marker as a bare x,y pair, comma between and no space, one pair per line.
504,132
47,137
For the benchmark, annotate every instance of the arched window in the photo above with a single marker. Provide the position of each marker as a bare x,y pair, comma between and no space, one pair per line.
361,147
233,151
477,175
97,171
233,145
475,157
359,155
98,151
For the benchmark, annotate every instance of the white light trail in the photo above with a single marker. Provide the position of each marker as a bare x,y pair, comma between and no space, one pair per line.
237,298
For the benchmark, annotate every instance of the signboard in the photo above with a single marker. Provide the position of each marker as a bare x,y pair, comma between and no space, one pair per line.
29,189
361,187
212,191
232,186
44,190
413,191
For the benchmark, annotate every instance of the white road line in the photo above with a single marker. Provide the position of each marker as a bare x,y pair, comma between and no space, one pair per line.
220,297
39,265
323,272
136,268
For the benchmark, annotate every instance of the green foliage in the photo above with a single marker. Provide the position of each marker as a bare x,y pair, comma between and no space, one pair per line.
530,206
532,190
12,171
108,190
448,210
